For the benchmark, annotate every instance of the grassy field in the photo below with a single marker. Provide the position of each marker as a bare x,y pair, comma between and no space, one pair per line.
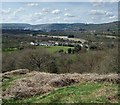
53,49
50,49
78,93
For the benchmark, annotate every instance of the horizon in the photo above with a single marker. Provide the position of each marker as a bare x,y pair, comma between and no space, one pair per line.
62,23
59,12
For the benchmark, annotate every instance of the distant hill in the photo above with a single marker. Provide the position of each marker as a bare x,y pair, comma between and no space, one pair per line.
63,27
15,25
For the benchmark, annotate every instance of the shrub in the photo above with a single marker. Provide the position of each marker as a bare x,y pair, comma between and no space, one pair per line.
69,51
77,48
61,51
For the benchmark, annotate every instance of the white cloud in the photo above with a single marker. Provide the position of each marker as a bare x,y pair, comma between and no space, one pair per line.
37,14
46,10
101,13
95,4
65,19
17,11
113,17
32,4
69,15
56,11
109,14
65,9
9,10
68,9
97,12
32,17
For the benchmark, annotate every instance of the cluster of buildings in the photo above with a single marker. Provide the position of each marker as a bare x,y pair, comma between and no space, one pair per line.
66,41
59,43
44,43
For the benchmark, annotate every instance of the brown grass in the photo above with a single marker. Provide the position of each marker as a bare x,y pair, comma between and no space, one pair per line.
36,83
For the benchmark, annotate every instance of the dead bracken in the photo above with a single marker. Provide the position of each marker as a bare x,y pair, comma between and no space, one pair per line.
37,83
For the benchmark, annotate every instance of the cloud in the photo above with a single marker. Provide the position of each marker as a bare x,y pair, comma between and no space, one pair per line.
17,11
10,11
56,11
95,4
69,15
46,10
32,4
101,13
4,12
65,9
97,12
37,14
9,14
32,17
110,14
113,17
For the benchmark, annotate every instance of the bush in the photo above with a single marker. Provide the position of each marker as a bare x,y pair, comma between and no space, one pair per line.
77,48
69,51
61,51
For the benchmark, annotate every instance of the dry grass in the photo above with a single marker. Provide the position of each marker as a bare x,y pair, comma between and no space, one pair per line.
16,72
37,83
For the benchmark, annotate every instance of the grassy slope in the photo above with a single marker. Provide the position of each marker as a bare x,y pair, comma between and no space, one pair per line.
78,93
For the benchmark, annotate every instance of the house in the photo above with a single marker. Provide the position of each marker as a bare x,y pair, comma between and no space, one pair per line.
32,43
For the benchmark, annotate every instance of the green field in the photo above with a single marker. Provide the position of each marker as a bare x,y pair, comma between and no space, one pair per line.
53,49
78,93
50,49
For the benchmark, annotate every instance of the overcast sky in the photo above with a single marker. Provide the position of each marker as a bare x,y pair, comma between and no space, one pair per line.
59,12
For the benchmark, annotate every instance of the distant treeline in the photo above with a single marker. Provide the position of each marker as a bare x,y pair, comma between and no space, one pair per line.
20,31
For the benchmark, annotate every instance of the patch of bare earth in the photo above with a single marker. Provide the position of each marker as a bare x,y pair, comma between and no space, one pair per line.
37,83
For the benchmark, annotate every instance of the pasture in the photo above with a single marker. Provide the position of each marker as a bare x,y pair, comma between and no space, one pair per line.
53,49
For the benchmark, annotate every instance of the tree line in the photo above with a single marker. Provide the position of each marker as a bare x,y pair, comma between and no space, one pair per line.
40,60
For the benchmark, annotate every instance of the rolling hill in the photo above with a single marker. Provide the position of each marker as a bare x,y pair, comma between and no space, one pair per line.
63,26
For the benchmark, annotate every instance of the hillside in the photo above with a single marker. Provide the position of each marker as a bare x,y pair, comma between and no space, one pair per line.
63,26
24,86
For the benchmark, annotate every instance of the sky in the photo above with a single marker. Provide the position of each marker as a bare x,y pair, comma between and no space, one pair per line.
58,12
